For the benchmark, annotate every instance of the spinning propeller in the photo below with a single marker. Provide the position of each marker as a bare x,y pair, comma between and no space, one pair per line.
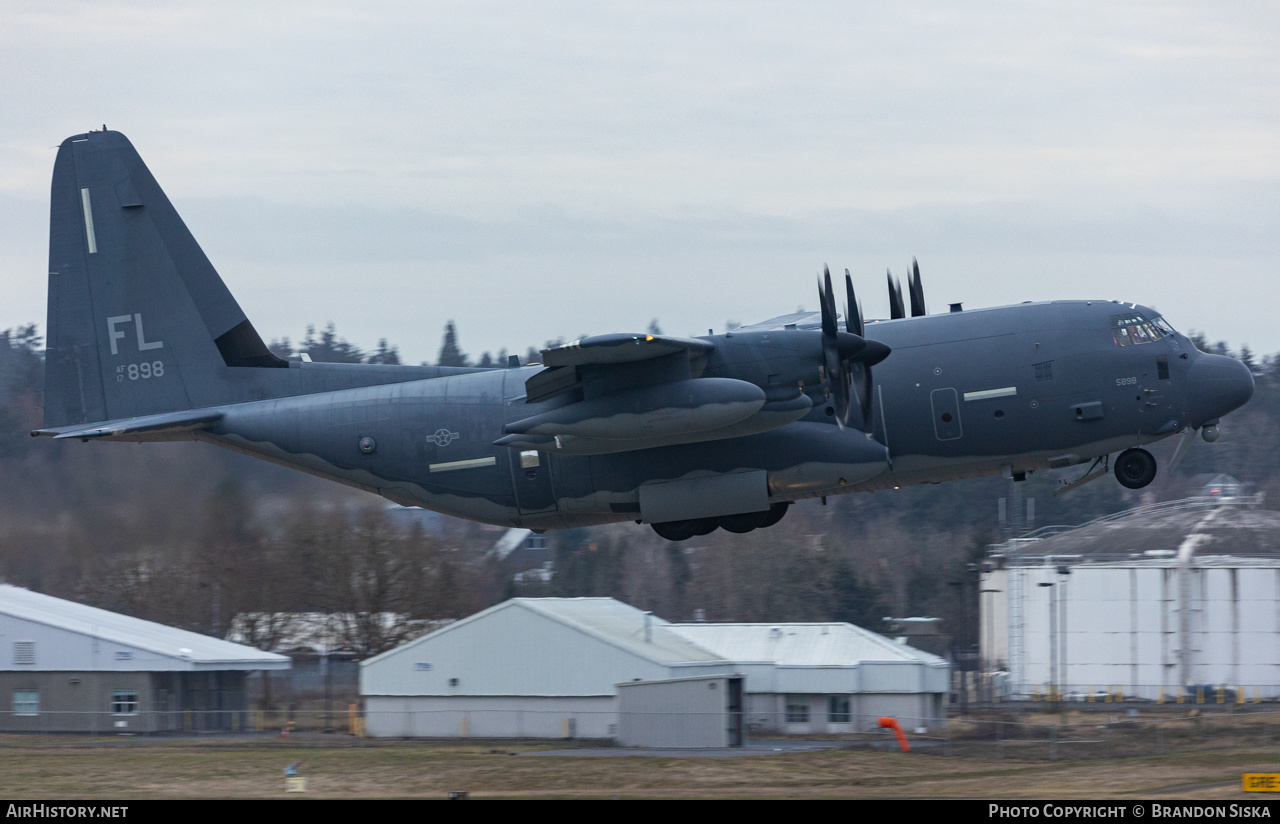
846,354
895,296
917,291
914,288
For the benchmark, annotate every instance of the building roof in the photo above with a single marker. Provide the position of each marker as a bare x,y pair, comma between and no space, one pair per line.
189,648
604,619
1155,530
509,542
828,644
624,626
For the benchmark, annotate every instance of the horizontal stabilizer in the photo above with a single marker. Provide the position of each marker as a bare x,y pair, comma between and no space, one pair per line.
131,428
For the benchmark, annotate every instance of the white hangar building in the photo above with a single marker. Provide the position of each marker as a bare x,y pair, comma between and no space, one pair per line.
551,668
1164,599
829,677
69,667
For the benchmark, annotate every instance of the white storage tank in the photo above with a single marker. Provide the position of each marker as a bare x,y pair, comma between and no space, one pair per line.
1166,600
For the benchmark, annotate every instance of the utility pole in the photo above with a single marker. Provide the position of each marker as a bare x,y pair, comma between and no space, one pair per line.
989,642
1053,640
1064,572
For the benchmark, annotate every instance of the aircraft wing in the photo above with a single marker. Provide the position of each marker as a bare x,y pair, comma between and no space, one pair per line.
800,320
563,362
628,392
151,427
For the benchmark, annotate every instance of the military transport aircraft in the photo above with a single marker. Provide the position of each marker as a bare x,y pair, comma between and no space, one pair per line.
145,343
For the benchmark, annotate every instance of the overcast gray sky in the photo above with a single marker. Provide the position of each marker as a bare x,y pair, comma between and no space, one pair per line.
537,170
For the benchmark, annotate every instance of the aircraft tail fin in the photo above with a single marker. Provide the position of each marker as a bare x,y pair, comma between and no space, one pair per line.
139,321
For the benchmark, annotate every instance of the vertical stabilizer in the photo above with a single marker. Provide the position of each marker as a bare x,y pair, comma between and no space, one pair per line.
139,321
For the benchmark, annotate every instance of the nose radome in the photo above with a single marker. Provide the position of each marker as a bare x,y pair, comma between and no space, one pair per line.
1217,385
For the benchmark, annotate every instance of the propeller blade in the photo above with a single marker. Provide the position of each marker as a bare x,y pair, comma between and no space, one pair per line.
828,304
860,381
852,311
896,309
835,349
917,290
1188,437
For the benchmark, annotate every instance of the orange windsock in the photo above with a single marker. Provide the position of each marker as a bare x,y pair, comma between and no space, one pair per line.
892,723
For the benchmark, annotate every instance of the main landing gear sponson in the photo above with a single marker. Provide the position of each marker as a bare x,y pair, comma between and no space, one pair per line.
1135,468
684,530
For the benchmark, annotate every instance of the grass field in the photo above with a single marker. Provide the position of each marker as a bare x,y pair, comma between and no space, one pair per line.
254,769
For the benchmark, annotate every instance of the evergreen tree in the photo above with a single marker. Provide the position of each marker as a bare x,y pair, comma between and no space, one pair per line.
281,348
1246,357
853,600
385,354
450,354
328,347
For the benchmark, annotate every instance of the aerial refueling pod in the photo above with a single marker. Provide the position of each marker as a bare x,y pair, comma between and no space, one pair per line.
689,411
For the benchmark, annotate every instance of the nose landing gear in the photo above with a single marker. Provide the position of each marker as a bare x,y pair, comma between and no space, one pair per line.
1135,468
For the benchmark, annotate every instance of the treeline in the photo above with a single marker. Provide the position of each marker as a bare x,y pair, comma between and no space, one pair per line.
194,536
326,346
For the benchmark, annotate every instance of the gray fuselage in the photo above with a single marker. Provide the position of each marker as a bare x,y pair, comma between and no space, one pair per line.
965,394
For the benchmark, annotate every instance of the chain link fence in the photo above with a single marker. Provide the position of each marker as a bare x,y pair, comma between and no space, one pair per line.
1028,732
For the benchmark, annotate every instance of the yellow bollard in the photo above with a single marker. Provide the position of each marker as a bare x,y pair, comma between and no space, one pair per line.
466,728
258,721
1089,698
1035,693
1257,695
1239,695
1179,693
1222,694
351,718
1199,695
1160,694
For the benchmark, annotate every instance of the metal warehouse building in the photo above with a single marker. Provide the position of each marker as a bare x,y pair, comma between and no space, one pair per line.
551,667
69,667
1166,599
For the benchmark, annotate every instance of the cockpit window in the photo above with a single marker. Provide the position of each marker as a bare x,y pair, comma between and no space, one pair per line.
1134,330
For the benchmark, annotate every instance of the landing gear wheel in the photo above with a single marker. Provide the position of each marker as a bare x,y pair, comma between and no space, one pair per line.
745,522
675,530
775,514
1135,468
705,526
